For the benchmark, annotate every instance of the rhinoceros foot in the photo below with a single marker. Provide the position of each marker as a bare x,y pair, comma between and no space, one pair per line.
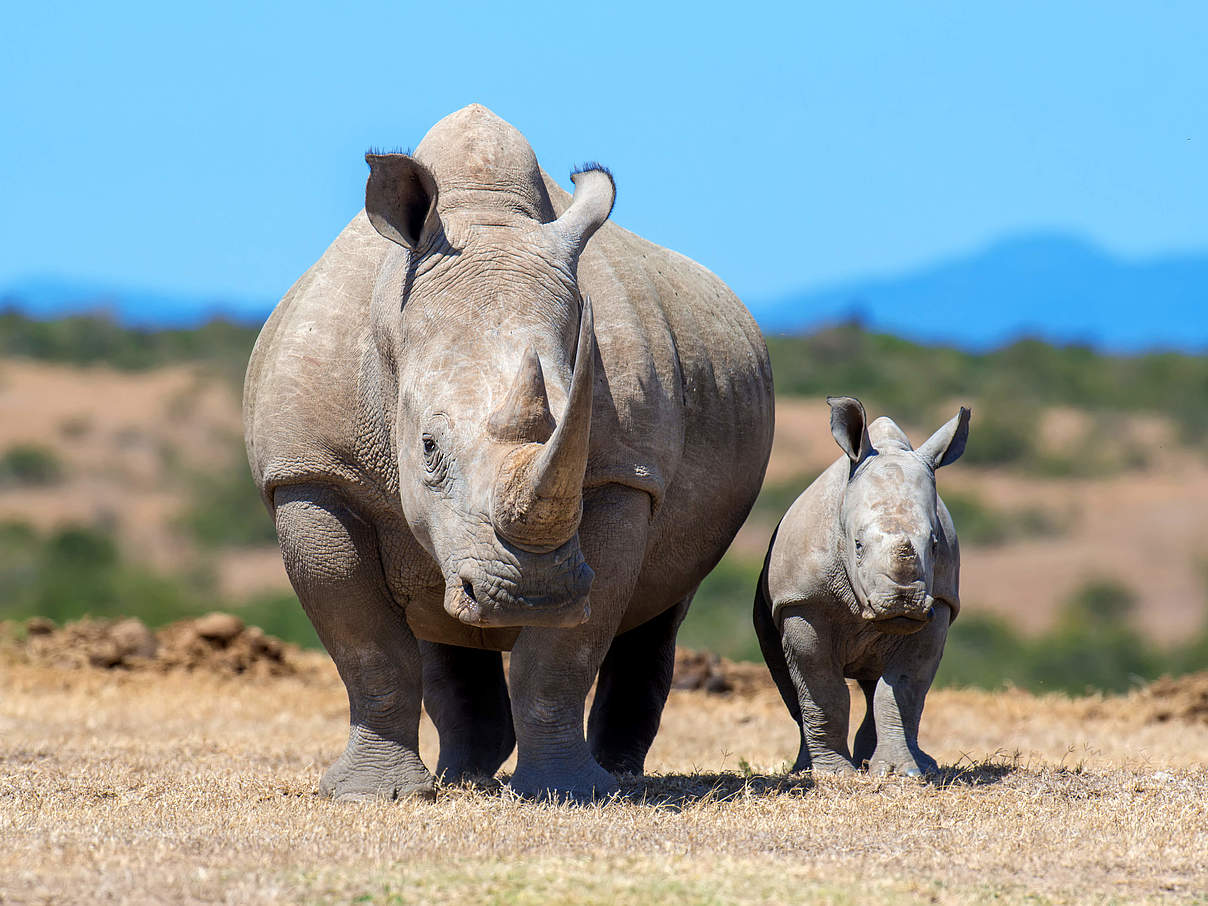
832,764
375,773
583,782
917,764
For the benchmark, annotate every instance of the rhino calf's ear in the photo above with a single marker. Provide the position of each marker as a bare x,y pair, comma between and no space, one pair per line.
849,425
400,198
947,444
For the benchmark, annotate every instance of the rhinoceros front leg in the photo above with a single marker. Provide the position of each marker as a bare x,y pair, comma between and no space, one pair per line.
634,682
466,696
898,699
332,559
551,670
822,694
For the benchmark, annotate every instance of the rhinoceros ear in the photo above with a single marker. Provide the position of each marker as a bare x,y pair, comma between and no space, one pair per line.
400,198
947,444
595,193
849,425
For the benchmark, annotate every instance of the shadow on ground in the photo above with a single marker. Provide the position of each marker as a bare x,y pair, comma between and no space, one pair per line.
684,791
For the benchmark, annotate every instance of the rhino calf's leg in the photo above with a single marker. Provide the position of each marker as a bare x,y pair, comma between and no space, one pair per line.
899,696
631,691
332,560
821,694
466,696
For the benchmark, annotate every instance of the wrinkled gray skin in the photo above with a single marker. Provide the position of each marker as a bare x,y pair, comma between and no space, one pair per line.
861,581
478,431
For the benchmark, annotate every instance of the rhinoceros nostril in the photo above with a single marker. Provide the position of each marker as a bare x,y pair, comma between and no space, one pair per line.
468,590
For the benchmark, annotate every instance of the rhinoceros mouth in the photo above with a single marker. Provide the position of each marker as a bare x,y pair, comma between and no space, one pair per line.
900,610
902,625
479,596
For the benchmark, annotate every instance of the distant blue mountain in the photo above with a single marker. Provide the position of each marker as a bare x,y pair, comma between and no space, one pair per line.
52,298
1047,286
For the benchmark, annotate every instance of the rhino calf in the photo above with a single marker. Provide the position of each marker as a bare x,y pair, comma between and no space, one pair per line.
861,581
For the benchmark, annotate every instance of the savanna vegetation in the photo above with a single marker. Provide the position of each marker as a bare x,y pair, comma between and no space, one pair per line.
917,382
79,569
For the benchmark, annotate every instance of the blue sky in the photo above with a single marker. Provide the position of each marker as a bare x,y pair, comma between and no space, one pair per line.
216,148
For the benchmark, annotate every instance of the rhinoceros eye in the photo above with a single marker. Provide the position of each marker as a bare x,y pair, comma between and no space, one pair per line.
859,549
434,459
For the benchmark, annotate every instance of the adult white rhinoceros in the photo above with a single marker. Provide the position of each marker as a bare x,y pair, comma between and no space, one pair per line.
432,508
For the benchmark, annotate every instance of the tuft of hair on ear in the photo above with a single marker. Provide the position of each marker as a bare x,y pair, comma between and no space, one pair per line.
374,151
593,165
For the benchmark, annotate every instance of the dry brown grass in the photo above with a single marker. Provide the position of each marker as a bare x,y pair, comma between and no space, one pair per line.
142,787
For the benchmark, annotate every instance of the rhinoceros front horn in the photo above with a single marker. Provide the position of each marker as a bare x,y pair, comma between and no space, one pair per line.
537,500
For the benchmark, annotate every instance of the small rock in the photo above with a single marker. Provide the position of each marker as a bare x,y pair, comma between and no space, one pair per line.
133,639
218,627
104,653
39,626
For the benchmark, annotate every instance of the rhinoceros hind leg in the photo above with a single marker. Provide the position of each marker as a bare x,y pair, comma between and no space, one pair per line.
631,691
772,648
332,560
466,696
866,736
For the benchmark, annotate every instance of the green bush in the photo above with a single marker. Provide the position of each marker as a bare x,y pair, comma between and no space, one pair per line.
720,617
30,465
225,509
1008,387
94,338
78,571
1092,648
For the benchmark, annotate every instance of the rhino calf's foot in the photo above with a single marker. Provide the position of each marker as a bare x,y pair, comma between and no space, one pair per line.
376,768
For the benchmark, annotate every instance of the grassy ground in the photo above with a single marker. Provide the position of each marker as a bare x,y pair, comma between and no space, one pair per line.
129,787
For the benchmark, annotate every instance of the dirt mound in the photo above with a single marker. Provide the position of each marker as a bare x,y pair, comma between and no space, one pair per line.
706,671
216,643
1183,698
